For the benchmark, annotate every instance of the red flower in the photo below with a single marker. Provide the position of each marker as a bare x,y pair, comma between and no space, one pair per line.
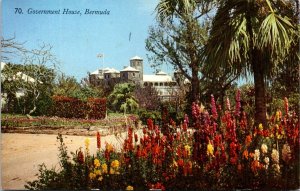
80,157
150,124
180,162
98,140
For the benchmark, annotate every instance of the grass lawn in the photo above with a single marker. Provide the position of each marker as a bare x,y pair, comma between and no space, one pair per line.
16,120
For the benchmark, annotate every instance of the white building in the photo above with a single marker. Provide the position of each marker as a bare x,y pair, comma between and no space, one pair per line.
165,84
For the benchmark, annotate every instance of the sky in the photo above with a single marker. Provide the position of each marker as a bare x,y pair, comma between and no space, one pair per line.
78,38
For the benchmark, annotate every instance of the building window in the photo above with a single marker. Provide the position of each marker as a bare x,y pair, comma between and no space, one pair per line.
160,84
156,84
133,74
146,84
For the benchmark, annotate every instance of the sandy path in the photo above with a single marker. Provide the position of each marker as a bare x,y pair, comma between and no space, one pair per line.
22,153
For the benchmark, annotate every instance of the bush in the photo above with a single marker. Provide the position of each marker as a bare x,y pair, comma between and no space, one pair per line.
68,107
144,115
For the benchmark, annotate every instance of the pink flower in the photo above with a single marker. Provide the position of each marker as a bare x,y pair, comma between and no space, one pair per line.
213,107
228,104
238,103
286,105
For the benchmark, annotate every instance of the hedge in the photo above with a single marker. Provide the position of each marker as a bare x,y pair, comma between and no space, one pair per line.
68,107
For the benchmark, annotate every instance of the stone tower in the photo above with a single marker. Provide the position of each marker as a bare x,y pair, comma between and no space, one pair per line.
137,63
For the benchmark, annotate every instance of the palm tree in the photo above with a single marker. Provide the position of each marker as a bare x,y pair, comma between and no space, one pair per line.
251,36
122,98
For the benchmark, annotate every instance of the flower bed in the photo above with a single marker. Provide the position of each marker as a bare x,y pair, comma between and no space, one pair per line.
221,152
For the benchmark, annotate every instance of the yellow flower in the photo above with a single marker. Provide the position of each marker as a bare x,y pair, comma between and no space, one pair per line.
92,176
187,148
87,142
100,178
129,188
96,163
109,147
260,127
111,171
277,116
115,164
210,149
104,168
175,164
97,172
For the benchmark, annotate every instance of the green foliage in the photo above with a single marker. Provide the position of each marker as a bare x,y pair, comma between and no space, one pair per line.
69,87
34,81
145,114
252,37
122,98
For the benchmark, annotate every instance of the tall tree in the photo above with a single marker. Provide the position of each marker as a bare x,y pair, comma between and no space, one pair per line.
251,36
177,39
40,64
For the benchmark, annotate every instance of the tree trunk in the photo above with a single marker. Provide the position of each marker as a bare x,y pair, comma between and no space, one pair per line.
256,61
195,86
260,91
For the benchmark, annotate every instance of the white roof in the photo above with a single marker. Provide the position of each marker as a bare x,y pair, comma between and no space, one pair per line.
186,81
136,58
129,69
112,70
25,77
161,73
157,78
95,72
19,75
104,69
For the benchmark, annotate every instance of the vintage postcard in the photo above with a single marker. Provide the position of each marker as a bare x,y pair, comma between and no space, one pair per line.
150,95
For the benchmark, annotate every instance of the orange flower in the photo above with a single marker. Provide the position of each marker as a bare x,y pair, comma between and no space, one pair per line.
251,155
255,165
248,140
246,154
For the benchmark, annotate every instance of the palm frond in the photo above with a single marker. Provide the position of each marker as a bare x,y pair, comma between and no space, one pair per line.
275,34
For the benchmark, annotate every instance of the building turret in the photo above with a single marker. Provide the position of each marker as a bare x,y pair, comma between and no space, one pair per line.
137,63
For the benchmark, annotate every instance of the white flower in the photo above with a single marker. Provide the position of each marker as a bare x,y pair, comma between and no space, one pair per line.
264,148
275,156
267,161
256,154
286,153
276,168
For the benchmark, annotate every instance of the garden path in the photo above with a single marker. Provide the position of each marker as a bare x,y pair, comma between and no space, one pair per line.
22,153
